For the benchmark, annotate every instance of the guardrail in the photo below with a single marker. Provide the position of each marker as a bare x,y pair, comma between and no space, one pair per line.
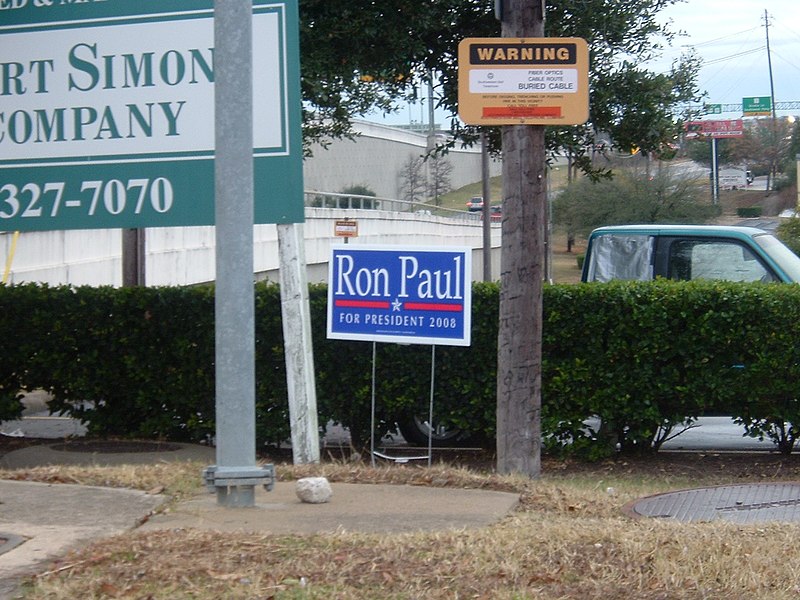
314,199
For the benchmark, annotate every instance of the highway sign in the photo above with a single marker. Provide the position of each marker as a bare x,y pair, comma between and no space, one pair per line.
533,81
758,106
411,295
712,109
107,114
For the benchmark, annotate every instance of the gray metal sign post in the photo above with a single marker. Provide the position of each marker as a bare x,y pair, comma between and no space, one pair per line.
236,474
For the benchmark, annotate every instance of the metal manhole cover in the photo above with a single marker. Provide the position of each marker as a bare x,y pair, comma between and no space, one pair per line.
746,503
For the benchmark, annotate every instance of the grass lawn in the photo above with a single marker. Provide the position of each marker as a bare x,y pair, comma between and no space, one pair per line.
569,538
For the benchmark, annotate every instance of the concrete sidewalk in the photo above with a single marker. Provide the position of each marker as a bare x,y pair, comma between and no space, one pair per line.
41,522
369,508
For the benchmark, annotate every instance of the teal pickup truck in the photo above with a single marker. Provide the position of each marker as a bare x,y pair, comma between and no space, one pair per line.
686,252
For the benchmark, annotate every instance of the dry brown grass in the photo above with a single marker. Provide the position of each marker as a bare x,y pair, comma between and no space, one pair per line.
565,264
568,539
176,479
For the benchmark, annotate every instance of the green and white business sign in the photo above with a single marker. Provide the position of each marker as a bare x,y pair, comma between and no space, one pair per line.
107,114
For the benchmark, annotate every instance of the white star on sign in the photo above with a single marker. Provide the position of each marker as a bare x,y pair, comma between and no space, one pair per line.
396,305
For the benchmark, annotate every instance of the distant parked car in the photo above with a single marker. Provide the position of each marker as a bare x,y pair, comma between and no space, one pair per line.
475,204
495,213
686,252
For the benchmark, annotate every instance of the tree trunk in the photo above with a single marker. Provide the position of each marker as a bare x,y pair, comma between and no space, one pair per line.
519,354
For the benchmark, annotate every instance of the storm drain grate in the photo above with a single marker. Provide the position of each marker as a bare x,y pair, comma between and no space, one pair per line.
746,503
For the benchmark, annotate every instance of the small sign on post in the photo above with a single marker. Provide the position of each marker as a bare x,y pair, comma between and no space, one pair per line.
345,228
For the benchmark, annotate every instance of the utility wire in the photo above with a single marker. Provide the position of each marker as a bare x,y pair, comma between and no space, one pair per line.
737,55
719,39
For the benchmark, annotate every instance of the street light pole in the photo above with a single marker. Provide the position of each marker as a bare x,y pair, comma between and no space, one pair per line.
773,167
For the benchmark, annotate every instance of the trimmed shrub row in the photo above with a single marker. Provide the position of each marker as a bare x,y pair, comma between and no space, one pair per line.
643,359
748,212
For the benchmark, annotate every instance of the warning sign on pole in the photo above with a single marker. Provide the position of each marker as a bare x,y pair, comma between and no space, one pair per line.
533,81
345,228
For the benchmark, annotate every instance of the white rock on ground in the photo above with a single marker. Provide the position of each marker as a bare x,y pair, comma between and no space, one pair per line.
314,490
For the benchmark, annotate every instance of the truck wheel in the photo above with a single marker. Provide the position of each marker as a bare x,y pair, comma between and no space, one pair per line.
415,430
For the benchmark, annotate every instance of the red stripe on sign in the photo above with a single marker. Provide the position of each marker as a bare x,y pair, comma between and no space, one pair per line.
432,306
505,112
361,304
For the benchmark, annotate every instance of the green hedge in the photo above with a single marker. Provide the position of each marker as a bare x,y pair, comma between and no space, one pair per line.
748,212
646,358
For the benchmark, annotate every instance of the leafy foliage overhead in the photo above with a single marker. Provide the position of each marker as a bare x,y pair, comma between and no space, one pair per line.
363,55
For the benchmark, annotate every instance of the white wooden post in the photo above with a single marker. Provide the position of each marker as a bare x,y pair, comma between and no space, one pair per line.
297,345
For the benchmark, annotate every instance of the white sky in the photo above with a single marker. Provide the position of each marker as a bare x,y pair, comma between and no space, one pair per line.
730,37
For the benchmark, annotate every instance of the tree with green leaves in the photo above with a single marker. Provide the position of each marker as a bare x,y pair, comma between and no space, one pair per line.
362,55
699,151
789,233
622,35
631,197
357,200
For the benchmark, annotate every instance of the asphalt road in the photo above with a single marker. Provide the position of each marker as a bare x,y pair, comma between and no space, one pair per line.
717,434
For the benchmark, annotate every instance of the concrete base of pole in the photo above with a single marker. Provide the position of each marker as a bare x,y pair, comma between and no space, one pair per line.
235,486
243,496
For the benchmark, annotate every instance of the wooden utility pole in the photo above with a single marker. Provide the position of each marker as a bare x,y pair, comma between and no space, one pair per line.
133,257
519,368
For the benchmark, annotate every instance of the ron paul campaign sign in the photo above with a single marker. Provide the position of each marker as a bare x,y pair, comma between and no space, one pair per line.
410,295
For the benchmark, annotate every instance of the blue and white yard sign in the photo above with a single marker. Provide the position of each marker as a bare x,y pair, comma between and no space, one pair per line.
410,295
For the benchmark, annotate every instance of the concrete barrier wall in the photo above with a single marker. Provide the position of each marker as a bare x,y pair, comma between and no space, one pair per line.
77,257
375,158
186,255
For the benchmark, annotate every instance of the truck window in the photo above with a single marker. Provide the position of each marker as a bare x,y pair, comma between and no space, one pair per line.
621,257
714,259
